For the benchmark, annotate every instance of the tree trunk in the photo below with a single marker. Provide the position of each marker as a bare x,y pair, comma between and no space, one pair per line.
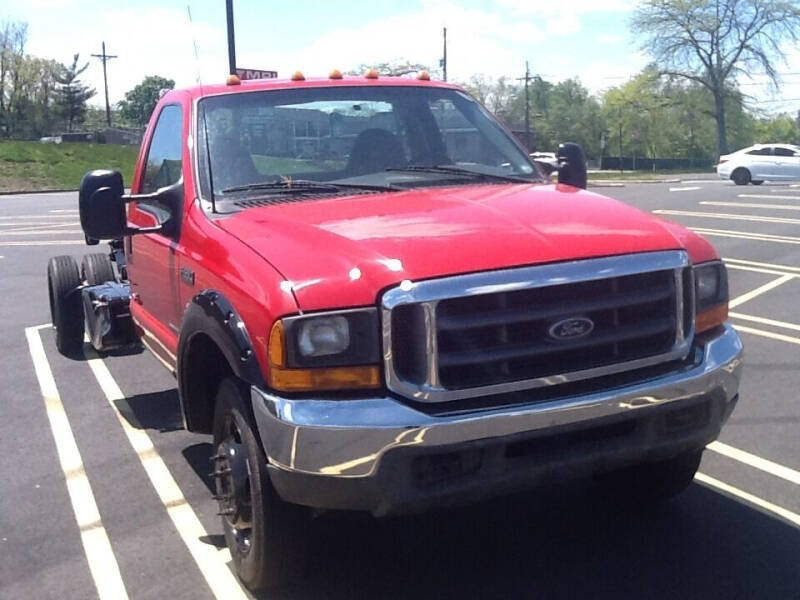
722,137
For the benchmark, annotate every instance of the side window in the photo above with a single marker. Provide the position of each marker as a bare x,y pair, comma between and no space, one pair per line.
784,152
163,165
767,151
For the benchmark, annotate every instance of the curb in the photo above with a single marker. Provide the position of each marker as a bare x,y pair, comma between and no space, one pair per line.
28,192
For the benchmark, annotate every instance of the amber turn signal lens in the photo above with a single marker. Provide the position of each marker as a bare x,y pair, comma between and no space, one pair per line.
326,379
711,318
277,346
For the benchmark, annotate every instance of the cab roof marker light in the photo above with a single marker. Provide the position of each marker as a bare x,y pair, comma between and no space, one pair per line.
371,74
335,74
233,80
424,76
298,76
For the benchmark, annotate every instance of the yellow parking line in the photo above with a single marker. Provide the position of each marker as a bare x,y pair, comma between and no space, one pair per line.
768,334
212,562
755,205
764,321
762,264
746,235
760,290
728,216
762,464
99,553
750,498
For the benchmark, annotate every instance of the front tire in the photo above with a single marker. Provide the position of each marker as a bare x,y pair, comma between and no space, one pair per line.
264,534
656,481
66,309
741,176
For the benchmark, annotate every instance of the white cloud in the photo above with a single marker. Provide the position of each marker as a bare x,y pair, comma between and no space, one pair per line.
149,41
478,41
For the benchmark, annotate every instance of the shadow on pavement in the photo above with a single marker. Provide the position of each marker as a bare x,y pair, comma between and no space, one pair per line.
160,411
199,458
573,545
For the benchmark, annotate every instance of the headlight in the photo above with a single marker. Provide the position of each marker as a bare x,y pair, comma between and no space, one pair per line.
711,295
326,351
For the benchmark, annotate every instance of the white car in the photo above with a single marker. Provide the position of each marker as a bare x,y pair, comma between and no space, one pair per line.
773,162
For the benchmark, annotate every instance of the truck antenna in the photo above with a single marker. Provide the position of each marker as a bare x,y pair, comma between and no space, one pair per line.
202,112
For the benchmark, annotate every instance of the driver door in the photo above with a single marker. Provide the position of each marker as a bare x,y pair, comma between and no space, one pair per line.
153,258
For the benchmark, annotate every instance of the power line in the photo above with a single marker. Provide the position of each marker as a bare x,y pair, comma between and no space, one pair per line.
105,58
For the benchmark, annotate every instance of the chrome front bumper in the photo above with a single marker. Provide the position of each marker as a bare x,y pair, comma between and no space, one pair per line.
382,455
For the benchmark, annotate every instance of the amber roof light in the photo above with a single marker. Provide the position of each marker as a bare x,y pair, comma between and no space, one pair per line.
233,80
371,74
424,76
298,76
335,74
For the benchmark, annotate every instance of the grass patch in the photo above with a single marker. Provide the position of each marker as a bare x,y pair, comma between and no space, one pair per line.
37,166
643,175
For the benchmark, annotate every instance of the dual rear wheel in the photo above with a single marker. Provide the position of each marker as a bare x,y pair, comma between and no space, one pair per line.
64,283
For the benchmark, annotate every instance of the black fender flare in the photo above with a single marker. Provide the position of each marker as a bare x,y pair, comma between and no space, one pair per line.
210,313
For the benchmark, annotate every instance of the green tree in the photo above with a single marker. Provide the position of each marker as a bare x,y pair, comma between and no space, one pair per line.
712,41
139,102
393,68
781,129
72,93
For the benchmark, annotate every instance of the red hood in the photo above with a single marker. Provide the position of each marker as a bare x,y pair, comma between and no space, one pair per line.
342,251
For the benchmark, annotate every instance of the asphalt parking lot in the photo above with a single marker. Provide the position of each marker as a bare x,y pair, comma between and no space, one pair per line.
105,495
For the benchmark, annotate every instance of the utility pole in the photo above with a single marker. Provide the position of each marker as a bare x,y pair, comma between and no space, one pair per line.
231,41
105,58
444,54
527,79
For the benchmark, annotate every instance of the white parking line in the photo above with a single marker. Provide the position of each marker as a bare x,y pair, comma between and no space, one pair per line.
762,464
750,498
45,243
99,554
685,189
770,285
42,231
764,321
746,235
211,562
752,205
769,197
762,264
756,269
728,216
768,334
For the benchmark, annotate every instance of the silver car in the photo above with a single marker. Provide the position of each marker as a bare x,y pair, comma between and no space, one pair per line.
773,162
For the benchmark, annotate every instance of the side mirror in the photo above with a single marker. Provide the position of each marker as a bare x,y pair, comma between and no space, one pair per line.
101,206
571,165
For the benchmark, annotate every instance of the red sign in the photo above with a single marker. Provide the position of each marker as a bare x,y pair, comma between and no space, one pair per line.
255,74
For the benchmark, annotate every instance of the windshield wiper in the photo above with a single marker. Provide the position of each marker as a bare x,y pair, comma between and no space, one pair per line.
460,171
301,186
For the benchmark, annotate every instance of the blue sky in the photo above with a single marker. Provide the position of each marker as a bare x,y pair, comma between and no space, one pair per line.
588,39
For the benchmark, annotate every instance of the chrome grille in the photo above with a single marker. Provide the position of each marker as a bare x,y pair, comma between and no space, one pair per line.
488,333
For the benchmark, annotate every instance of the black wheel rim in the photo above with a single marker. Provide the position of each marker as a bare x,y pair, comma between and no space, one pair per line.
232,474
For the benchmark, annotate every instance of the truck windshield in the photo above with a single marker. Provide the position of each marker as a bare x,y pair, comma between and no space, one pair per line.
350,138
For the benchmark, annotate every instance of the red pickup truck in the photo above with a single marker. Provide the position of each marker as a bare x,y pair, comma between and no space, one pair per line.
374,300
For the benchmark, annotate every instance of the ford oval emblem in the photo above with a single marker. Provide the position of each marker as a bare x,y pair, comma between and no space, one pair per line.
570,329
